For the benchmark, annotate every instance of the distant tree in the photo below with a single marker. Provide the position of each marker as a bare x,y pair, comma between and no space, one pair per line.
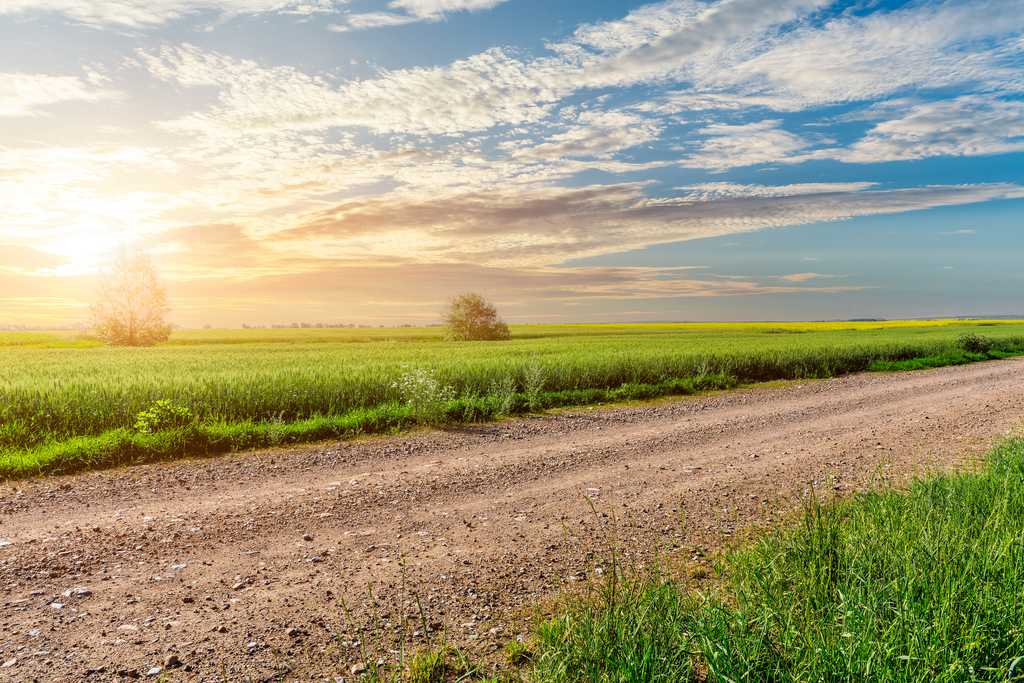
470,317
131,309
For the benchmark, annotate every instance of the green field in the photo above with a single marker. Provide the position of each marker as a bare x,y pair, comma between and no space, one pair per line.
69,403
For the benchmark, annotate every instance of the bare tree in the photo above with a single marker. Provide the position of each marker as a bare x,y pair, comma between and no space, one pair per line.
470,317
131,309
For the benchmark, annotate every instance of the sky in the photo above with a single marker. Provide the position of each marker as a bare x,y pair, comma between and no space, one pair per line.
365,160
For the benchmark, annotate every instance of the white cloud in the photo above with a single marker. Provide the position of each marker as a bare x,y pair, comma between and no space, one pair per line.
363,20
724,146
434,8
594,134
24,94
482,91
972,125
149,13
411,11
855,58
711,191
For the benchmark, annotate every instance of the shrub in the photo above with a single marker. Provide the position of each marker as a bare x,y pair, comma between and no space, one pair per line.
162,415
533,386
503,392
425,395
470,317
974,343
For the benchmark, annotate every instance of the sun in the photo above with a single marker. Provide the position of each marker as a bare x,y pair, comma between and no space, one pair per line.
87,248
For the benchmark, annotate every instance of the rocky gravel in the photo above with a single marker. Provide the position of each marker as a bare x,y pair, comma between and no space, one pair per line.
310,563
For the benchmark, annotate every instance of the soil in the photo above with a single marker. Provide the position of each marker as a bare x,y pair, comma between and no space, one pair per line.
301,564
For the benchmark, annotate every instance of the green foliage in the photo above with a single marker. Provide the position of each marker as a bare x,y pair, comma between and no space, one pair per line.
425,395
438,665
975,343
54,392
922,585
470,317
503,394
162,415
534,379
517,653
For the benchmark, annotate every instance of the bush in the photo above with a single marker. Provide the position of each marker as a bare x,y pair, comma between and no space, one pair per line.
503,392
472,318
534,380
425,395
161,416
974,343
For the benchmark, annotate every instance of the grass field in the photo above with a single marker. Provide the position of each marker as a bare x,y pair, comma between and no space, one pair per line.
69,403
918,585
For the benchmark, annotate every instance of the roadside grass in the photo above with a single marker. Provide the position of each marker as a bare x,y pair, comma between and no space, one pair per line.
925,584
127,446
66,405
942,360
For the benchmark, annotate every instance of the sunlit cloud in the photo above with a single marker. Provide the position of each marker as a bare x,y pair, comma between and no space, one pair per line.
259,166
411,11
150,13
27,94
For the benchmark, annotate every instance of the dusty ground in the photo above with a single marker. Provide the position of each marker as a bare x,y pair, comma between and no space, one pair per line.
251,566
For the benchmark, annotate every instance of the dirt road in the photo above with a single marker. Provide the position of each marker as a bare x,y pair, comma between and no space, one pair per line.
250,566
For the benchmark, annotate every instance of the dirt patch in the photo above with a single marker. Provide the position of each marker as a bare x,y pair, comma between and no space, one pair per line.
255,565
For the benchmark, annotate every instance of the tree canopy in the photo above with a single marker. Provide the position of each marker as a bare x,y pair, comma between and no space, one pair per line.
470,317
131,307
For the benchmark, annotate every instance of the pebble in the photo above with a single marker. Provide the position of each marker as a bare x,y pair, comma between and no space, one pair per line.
307,537
9,663
172,662
77,592
155,671
357,669
4,543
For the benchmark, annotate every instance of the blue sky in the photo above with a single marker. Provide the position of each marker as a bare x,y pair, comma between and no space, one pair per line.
365,160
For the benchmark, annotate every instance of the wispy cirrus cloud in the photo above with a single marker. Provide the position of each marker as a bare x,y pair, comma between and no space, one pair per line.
972,125
508,159
546,225
139,14
402,12
29,94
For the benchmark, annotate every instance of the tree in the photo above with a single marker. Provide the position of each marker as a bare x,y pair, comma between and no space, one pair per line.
470,317
132,305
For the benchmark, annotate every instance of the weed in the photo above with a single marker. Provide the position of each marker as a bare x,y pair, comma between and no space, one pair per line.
534,379
503,393
425,395
161,416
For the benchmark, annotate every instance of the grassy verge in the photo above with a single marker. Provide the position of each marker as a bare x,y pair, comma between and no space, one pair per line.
919,585
942,360
128,446
80,438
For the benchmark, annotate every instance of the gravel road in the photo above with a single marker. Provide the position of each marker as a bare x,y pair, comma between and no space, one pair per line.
251,566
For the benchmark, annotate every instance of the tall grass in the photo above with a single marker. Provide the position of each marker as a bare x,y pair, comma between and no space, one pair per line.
921,585
56,393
